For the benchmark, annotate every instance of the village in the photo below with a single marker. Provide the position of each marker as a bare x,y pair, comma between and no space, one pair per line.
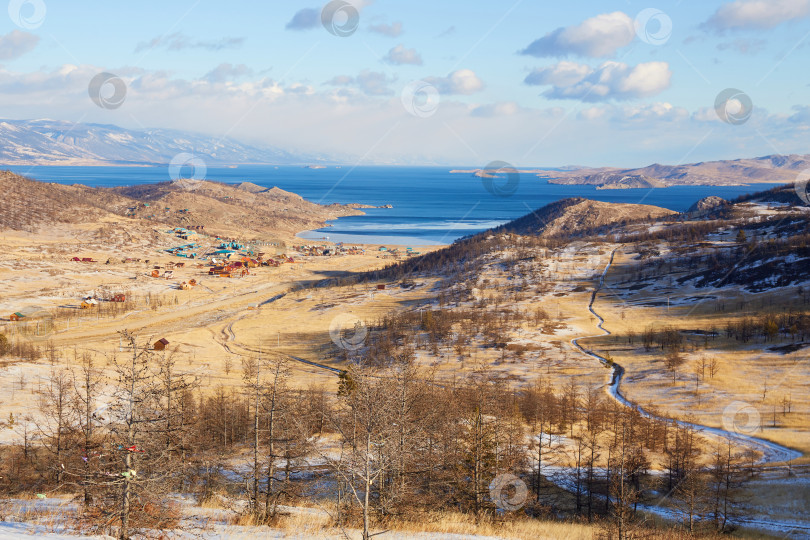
181,260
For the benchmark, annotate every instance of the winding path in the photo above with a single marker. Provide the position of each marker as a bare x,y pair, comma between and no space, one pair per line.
771,452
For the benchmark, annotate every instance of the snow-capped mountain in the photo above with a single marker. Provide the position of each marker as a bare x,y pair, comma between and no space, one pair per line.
53,142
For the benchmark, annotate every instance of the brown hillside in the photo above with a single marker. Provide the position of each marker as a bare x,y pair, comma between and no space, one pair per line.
220,209
28,204
591,214
231,210
574,215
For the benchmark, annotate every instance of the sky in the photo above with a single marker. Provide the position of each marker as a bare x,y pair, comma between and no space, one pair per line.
528,82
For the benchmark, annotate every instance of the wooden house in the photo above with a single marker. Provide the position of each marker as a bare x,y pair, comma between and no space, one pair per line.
160,344
120,297
185,286
16,316
381,287
155,273
88,303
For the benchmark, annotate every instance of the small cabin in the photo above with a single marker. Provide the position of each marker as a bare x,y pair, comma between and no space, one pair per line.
88,303
185,286
119,297
160,344
192,282
155,273
381,287
16,316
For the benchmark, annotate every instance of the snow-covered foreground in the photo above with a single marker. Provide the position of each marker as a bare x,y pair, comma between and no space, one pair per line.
25,531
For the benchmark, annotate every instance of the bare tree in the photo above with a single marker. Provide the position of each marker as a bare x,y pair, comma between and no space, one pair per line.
57,421
86,388
364,423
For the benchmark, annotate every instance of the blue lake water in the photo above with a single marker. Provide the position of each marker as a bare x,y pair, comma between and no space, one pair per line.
430,205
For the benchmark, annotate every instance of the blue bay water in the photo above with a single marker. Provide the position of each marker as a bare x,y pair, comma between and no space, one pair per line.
430,205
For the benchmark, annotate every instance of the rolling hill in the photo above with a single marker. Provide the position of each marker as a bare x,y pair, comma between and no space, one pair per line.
767,169
220,208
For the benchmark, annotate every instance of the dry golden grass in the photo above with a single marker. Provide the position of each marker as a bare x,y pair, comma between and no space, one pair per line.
463,524
306,522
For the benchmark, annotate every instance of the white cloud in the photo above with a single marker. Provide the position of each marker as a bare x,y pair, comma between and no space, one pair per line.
561,74
399,55
462,81
801,115
655,113
304,19
390,30
661,111
611,80
705,114
756,14
343,120
597,37
179,41
225,72
371,83
593,113
16,43
308,18
743,46
503,108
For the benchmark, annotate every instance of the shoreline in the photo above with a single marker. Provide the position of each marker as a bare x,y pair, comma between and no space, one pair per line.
315,235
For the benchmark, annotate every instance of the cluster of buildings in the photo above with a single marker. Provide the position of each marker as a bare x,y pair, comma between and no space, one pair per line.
328,251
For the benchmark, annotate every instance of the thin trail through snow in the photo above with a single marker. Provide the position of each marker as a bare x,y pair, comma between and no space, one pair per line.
771,452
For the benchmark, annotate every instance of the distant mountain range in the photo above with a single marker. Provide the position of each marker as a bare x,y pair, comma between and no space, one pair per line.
766,169
774,169
53,142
